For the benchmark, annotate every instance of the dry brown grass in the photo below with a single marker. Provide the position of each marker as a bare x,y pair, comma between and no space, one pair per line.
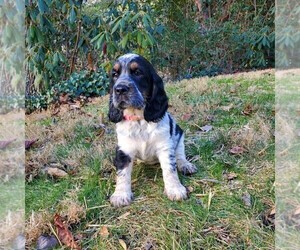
10,227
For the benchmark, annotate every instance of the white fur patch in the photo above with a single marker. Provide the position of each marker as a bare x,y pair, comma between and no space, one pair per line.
128,56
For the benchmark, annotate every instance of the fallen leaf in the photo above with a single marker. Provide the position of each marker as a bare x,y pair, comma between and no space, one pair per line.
123,244
124,216
206,128
55,112
64,234
186,117
46,242
247,110
4,144
246,198
189,189
29,143
228,107
63,98
230,176
237,150
104,232
75,106
56,172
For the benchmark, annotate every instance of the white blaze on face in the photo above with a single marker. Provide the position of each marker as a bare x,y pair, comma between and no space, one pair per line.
128,56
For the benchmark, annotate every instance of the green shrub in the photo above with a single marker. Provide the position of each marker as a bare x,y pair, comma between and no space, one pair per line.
11,102
83,83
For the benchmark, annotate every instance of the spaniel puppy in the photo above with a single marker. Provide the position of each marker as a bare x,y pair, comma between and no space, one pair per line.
146,131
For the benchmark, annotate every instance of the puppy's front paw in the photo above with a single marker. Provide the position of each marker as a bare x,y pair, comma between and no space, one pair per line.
176,193
120,199
187,168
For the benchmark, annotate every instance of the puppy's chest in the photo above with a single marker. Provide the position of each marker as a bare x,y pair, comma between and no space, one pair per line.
141,138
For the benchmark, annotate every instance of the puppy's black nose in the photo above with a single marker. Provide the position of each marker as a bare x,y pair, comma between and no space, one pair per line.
121,89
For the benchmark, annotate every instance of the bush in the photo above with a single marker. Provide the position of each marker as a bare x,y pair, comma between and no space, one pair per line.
83,83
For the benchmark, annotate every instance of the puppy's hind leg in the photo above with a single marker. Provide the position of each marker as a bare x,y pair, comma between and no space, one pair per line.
183,165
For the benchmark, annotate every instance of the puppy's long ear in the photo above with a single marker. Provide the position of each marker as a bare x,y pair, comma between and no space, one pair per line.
157,104
114,115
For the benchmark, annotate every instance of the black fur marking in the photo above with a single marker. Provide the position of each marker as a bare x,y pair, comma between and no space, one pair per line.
173,162
121,160
178,130
157,104
115,115
171,125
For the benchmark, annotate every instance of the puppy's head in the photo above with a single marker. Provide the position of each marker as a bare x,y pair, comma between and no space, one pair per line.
136,85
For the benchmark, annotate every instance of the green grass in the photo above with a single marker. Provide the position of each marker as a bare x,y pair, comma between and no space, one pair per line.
214,216
12,196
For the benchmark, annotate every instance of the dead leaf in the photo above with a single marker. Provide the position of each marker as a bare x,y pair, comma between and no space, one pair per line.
246,198
228,107
4,144
189,189
63,98
230,176
104,232
56,172
74,106
29,143
123,244
296,211
237,150
206,128
55,111
124,216
247,110
186,117
46,242
64,234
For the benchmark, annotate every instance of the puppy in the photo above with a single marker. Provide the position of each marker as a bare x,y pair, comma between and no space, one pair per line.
145,130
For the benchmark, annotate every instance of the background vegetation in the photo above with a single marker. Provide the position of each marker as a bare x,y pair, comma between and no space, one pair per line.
182,38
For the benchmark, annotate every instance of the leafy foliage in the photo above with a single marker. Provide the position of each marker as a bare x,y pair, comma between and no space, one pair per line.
11,55
288,34
60,36
187,39
83,83
129,28
212,37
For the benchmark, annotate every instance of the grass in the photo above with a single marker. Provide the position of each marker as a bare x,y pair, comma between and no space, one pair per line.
287,159
215,215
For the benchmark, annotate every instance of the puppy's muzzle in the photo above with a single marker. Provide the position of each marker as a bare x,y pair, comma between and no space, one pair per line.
127,95
121,89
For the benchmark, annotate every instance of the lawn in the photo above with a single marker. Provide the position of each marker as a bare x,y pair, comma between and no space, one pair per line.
231,196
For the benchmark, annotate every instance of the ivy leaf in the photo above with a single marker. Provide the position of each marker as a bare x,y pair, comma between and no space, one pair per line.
72,17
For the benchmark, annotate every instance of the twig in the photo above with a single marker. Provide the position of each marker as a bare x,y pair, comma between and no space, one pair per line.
53,231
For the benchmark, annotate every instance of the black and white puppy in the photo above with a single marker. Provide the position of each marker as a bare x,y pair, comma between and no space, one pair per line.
146,131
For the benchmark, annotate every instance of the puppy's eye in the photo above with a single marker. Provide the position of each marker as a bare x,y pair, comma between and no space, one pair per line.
115,74
137,72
